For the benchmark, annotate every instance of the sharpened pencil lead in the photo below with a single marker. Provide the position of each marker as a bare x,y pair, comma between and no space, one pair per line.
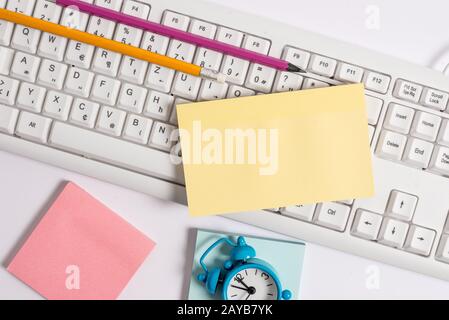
293,68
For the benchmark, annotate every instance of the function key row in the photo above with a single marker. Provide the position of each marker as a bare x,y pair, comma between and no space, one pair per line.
342,71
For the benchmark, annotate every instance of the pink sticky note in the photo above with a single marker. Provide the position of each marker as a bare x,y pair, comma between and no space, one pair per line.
80,250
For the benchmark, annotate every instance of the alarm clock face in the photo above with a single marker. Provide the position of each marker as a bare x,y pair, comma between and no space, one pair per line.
251,284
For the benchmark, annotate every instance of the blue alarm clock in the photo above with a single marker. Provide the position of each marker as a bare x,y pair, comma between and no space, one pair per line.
243,277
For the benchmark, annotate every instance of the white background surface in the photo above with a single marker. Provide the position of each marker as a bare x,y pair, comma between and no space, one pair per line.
412,30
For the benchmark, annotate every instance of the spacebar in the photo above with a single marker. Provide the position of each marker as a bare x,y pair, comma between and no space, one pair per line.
116,152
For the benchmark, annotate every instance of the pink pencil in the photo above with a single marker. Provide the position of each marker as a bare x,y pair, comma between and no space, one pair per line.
182,36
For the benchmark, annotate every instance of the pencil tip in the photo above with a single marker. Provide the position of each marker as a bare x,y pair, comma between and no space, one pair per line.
293,68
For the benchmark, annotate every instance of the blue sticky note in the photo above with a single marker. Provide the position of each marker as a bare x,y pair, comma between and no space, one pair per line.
286,257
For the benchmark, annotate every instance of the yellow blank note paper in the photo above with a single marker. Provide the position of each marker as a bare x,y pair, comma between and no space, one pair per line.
276,150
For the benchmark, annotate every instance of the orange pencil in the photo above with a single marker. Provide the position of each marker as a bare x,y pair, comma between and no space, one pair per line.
111,45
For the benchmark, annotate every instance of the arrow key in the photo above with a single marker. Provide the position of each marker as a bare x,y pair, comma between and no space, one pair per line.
401,205
366,225
393,232
420,240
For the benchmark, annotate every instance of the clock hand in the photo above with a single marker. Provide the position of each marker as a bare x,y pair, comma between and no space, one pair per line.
244,284
249,294
241,288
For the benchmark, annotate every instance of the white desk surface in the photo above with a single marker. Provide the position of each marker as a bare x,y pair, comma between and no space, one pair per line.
415,31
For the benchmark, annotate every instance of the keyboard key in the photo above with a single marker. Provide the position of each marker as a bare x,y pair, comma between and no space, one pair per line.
132,98
332,215
109,4
443,137
287,81
133,70
48,11
25,66
105,90
79,54
235,69
155,43
8,119
349,73
136,9
377,82
208,58
442,253
391,145
21,6
25,39
366,225
203,28
237,92
6,29
371,131
399,118
8,90
57,105
260,78
435,99
159,105
174,114
420,240
137,129
418,153
79,82
297,57
52,74
310,83
322,65
101,27
393,233
186,86
7,56
212,90
229,36
117,152
74,19
30,97
440,160
256,44
106,62
160,78
407,91
33,127
161,136
128,35
84,113
426,126
111,121
181,50
175,20
52,47
401,205
373,109
302,212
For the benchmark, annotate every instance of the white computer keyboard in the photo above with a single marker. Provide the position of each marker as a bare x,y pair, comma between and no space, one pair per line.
107,116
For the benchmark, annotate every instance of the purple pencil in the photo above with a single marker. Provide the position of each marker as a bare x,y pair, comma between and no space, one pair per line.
182,36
